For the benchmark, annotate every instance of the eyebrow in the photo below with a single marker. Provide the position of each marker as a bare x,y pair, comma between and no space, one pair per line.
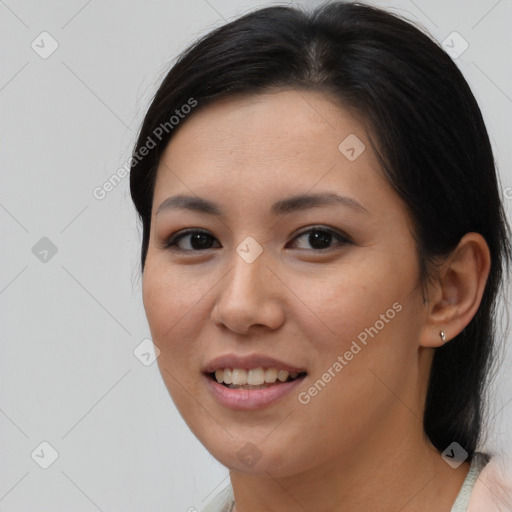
281,207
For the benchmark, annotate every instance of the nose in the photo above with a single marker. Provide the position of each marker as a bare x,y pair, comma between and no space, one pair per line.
249,297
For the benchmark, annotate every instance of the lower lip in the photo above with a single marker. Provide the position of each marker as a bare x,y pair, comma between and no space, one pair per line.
249,399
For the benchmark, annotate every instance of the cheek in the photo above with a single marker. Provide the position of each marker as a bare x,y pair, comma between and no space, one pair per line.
169,296
171,305
365,313
352,299
374,320
170,313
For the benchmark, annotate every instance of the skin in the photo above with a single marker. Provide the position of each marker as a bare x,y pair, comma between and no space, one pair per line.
359,444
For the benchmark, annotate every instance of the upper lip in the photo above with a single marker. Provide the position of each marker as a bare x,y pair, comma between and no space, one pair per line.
248,362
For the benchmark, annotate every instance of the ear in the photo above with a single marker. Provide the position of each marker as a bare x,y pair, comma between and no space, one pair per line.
456,295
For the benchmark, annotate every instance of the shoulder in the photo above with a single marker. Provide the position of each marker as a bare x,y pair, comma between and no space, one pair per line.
222,502
492,491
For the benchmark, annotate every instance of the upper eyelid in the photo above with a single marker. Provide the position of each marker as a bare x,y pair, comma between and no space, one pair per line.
171,240
340,236
319,227
176,237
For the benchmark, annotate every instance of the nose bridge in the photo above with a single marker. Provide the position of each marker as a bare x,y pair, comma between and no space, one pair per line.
248,296
247,280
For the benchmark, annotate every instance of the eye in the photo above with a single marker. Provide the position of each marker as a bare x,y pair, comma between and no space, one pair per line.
320,238
195,240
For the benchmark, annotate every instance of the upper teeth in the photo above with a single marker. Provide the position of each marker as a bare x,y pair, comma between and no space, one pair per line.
254,376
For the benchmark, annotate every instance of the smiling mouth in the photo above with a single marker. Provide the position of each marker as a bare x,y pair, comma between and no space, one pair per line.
254,378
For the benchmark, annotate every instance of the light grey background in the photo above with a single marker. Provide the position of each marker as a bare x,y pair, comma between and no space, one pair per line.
70,324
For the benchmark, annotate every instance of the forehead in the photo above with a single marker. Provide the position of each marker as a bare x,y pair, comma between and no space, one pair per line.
267,117
288,140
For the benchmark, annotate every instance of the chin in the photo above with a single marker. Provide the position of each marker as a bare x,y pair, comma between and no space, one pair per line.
247,458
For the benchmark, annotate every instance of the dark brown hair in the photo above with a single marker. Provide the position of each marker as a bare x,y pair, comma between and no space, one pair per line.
432,140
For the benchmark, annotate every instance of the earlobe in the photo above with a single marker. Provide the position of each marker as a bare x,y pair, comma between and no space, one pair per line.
457,293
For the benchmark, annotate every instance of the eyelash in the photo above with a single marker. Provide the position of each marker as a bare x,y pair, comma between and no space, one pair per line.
172,242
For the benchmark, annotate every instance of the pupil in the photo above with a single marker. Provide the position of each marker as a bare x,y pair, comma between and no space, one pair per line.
318,238
199,241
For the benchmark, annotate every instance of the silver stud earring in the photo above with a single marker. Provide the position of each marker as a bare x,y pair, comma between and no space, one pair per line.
443,336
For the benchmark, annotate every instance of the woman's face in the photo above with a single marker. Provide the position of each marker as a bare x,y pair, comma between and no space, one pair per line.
281,277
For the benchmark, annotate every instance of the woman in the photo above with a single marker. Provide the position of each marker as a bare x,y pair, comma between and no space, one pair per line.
323,246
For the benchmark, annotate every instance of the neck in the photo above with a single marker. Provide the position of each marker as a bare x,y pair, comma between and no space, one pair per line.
401,471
